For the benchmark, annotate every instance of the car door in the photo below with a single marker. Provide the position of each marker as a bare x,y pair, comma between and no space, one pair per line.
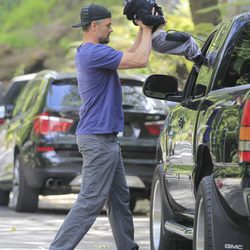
7,143
7,104
3,157
219,125
183,124
17,127
174,170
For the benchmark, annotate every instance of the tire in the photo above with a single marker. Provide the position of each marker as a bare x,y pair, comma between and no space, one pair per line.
203,216
160,211
25,199
4,198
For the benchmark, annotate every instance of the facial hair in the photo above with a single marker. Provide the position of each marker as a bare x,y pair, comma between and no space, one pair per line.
104,40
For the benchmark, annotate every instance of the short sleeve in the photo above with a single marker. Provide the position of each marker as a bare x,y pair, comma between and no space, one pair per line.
105,57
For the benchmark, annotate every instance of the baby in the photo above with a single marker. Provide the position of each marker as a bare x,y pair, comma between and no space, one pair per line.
145,10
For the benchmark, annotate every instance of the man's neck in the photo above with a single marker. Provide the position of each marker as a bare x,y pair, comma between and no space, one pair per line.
89,38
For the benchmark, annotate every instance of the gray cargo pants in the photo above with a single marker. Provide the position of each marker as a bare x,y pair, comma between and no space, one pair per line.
103,183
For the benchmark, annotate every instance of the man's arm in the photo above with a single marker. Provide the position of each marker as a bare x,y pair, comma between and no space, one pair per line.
137,41
139,57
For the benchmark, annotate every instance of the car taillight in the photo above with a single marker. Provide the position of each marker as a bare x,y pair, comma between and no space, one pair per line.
2,121
154,128
44,123
244,144
44,149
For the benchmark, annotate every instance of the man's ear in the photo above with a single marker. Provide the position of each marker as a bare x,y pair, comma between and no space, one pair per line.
94,25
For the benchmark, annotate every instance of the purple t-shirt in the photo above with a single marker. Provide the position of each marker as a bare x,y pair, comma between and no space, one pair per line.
100,89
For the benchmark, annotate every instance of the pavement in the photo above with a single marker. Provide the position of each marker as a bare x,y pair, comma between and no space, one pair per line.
35,231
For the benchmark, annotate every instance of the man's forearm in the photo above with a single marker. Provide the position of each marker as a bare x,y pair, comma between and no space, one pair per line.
137,41
143,50
139,57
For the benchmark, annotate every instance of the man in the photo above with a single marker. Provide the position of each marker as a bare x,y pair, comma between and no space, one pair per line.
101,118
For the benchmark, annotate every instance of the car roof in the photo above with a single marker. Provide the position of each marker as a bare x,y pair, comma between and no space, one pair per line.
137,77
66,75
25,77
55,75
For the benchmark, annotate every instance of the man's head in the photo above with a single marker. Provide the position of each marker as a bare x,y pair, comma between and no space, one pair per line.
96,19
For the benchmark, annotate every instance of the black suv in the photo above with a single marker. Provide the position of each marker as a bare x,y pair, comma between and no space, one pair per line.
39,155
201,185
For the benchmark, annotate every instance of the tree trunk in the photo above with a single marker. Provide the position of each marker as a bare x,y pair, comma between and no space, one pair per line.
213,16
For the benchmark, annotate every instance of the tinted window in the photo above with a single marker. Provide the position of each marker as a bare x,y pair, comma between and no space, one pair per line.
133,97
238,70
13,92
206,71
63,95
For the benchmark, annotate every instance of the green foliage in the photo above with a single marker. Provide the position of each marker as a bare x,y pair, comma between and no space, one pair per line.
27,13
108,3
19,39
24,25
5,8
19,17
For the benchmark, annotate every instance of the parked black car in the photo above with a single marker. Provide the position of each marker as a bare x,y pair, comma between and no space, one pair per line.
38,151
201,185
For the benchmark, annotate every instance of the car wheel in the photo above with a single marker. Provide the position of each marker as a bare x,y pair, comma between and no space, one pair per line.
203,214
160,211
25,199
4,198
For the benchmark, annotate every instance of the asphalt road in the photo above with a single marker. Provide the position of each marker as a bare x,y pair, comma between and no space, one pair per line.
36,230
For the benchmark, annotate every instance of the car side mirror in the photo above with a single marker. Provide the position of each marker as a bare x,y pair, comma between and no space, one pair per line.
162,87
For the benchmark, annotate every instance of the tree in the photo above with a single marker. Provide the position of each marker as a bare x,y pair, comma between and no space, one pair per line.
212,15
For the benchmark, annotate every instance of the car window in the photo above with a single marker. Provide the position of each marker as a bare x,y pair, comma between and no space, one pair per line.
28,97
13,92
133,98
238,69
206,71
63,94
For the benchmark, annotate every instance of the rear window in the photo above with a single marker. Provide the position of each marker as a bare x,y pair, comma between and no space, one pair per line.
133,97
63,95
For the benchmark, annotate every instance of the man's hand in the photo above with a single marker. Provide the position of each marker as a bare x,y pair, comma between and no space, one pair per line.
143,26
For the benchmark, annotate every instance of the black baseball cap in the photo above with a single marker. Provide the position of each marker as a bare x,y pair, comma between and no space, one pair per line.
92,12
